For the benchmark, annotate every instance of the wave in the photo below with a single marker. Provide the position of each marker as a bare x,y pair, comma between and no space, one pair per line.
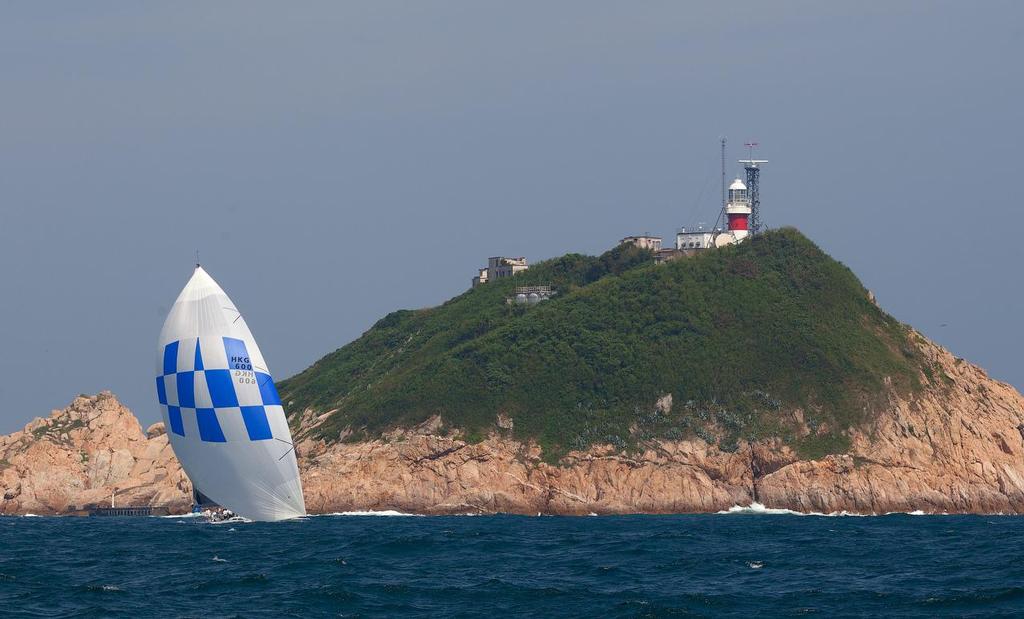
383,512
760,509
207,517
101,588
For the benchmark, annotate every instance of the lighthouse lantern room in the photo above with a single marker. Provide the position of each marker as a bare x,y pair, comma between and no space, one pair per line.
738,210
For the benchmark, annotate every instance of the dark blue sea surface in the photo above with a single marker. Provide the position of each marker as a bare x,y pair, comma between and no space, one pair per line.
503,566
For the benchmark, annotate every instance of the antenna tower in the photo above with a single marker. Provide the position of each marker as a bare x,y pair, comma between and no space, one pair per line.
721,211
723,174
753,173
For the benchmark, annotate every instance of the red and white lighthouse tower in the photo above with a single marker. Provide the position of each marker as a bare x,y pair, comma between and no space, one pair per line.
738,210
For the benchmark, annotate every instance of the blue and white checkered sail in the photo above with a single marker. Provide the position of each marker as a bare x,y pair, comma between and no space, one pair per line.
221,409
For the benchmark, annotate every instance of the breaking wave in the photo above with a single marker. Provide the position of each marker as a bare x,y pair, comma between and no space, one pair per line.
760,509
383,512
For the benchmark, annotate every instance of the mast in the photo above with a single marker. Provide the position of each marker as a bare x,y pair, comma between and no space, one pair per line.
723,173
721,210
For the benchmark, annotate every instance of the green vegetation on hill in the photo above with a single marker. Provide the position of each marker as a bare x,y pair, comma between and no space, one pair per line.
741,337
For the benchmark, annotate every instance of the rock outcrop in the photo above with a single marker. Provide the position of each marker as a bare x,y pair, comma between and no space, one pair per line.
957,447
76,458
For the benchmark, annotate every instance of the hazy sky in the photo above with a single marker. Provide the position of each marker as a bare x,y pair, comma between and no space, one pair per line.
335,161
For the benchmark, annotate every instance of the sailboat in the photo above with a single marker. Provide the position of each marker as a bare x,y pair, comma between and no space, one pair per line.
221,409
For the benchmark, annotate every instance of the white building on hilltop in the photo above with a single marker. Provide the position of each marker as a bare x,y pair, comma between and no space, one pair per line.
498,267
694,239
737,211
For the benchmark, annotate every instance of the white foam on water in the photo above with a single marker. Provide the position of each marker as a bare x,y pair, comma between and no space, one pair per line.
758,508
755,565
111,588
188,515
383,512
219,560
31,516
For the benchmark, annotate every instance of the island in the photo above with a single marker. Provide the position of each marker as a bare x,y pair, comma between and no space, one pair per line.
761,372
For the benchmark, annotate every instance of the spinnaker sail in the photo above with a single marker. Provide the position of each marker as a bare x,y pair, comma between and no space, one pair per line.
221,409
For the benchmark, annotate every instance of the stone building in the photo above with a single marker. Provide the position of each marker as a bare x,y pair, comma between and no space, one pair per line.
498,267
652,243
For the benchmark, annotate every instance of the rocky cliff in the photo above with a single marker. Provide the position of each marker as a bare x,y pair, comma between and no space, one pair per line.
956,446
76,458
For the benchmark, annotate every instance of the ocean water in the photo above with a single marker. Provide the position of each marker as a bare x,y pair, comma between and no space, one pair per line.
737,564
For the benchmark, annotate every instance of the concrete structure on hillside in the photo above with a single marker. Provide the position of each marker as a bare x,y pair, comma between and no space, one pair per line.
505,267
498,267
738,209
698,239
652,243
530,295
737,212
664,255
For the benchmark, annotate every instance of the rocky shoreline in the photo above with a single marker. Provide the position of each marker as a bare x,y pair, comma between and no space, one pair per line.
75,459
956,448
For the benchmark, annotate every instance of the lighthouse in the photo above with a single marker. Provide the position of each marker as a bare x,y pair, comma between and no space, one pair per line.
738,210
